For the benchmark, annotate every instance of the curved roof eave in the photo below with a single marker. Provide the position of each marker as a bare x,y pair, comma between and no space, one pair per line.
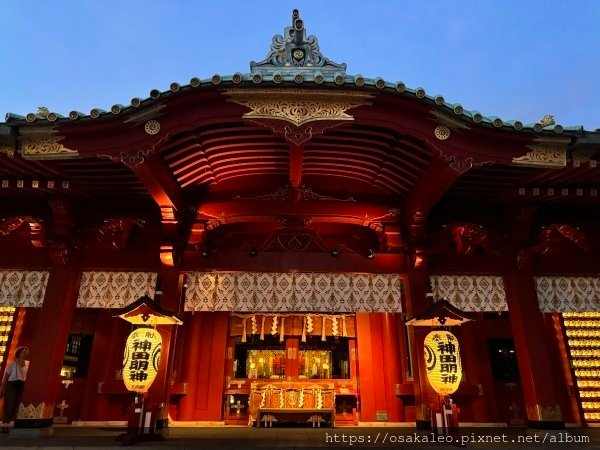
317,80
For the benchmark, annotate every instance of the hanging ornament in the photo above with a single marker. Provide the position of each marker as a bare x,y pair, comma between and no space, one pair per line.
304,329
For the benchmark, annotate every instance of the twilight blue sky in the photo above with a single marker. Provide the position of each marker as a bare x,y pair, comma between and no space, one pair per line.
513,59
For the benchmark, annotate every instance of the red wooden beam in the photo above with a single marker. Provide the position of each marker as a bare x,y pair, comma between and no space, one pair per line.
319,211
160,184
431,186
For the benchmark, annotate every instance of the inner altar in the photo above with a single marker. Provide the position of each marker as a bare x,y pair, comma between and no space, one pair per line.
308,401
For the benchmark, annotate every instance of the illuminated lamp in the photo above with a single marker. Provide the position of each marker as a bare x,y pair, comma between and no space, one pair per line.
143,345
141,357
442,357
442,361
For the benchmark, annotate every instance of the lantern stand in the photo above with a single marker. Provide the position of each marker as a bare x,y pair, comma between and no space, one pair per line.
146,314
442,315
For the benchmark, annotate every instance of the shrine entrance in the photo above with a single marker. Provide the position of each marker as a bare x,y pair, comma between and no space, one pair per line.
507,383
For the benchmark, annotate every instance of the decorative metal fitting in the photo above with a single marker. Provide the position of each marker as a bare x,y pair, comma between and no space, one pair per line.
439,100
359,80
458,109
237,78
136,102
216,79
115,109
155,93
174,87
195,82
400,86
379,83
257,78
152,127
442,132
420,92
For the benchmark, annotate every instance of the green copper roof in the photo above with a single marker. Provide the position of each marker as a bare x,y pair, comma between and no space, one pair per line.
295,59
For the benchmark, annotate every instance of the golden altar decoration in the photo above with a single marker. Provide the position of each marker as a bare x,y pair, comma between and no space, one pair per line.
269,398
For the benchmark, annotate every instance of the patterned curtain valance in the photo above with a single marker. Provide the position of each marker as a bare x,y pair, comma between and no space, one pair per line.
22,288
471,292
114,289
562,294
293,292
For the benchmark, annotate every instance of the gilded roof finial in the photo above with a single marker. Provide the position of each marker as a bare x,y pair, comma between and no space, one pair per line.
43,111
547,120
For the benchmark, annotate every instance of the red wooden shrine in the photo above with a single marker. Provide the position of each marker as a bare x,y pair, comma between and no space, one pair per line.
287,196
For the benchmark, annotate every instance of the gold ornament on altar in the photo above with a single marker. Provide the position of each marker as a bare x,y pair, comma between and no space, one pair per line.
442,360
141,359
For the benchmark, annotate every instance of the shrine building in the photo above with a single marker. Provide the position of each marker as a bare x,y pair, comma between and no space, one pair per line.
294,219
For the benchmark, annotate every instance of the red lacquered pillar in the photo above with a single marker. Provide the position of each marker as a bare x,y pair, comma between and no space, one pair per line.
390,343
535,368
416,303
47,347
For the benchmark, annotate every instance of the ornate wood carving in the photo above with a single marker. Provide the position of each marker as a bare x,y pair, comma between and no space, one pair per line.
303,193
117,232
44,143
297,114
552,240
298,106
546,152
24,226
470,239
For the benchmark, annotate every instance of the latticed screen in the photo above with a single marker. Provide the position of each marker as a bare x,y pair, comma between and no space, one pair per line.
583,337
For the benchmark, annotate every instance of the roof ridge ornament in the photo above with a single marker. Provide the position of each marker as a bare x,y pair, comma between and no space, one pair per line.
295,52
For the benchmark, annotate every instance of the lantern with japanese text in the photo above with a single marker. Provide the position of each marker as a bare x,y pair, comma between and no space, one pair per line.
442,360
141,359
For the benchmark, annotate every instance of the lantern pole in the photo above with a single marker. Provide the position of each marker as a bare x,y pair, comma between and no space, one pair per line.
143,355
